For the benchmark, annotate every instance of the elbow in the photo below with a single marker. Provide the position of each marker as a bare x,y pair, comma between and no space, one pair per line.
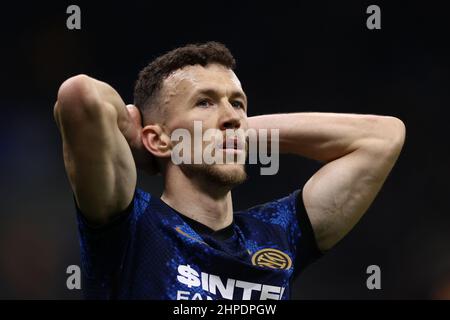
389,137
77,99
77,89
395,134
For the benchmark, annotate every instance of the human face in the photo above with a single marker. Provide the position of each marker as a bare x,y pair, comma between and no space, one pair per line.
212,95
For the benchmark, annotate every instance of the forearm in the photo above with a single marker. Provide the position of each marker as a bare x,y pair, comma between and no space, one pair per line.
328,136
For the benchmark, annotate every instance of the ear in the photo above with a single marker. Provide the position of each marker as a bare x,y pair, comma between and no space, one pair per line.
156,140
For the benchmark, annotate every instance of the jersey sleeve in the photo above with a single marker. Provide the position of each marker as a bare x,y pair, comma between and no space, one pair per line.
103,249
289,216
307,250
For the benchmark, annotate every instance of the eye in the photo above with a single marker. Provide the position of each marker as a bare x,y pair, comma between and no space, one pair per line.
237,104
204,103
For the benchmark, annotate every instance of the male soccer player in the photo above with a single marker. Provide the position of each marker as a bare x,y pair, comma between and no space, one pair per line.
188,243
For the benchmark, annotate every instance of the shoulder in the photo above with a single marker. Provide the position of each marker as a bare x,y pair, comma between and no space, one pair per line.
141,199
280,211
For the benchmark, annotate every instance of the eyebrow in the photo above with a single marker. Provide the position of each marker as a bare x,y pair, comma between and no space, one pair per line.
214,92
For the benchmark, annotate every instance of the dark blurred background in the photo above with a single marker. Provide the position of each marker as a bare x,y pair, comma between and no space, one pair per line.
302,56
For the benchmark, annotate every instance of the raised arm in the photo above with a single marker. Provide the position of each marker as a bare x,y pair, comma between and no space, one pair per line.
359,151
97,131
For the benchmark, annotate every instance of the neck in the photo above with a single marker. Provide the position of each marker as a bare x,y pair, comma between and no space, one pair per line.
198,199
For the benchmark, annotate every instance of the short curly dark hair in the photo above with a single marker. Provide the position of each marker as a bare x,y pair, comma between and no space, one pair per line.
152,76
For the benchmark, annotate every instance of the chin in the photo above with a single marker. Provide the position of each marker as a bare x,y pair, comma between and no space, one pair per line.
224,175
231,172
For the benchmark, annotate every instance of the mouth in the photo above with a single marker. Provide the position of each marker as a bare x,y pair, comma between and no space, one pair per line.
232,145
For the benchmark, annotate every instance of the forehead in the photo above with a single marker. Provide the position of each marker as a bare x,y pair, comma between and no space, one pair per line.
195,77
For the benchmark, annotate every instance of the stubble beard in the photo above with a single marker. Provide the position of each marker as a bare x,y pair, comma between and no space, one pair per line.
223,176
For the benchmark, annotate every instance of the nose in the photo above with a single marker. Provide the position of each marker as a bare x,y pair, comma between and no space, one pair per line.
230,118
